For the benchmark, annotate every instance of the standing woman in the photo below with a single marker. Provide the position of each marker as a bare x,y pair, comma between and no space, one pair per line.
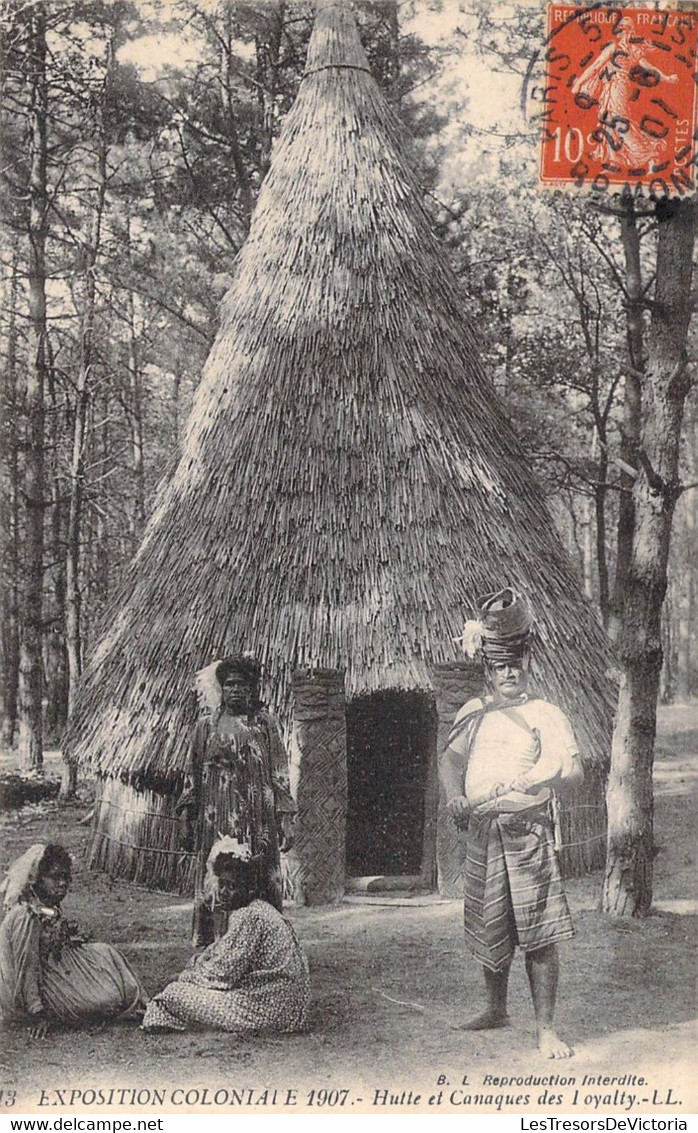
236,785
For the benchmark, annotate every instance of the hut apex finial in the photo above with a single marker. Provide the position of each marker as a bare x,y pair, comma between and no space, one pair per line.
335,40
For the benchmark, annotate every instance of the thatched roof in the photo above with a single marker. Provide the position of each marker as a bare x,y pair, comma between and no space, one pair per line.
349,482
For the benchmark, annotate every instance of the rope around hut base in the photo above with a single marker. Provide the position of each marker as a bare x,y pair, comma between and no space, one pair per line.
584,806
146,849
169,818
188,855
584,841
191,854
140,813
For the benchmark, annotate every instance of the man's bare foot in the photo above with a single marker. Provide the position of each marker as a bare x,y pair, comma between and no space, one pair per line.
551,1046
488,1020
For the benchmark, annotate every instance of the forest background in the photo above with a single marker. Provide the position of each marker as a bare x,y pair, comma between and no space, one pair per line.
136,136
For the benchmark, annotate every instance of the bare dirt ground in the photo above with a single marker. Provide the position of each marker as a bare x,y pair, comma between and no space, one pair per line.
391,979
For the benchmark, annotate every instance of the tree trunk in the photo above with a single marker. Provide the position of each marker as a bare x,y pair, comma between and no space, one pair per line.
136,420
688,659
31,675
687,556
72,573
56,662
73,603
136,511
176,410
600,493
268,53
632,407
10,525
630,852
228,83
103,552
668,681
589,572
393,51
73,598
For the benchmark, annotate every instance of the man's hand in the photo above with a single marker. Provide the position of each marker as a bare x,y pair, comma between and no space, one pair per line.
488,804
522,785
459,809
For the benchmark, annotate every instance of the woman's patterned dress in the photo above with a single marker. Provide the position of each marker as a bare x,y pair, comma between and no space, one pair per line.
255,978
237,785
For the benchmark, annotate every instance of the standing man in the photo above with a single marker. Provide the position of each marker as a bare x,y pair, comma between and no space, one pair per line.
506,753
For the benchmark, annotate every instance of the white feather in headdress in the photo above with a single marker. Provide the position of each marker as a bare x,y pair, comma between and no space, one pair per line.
471,638
229,848
22,874
208,688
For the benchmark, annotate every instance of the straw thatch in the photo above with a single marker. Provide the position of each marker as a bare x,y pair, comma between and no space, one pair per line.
349,482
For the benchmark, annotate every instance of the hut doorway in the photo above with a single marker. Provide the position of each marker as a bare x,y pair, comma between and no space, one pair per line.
392,785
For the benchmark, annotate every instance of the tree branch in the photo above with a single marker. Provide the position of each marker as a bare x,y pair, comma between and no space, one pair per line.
655,481
624,467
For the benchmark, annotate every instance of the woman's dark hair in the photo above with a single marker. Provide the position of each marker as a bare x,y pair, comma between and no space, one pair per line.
242,871
247,667
55,855
225,862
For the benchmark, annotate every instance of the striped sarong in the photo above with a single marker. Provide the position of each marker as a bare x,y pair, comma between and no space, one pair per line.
513,888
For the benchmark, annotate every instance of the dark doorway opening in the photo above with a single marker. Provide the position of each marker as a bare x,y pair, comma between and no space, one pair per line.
391,769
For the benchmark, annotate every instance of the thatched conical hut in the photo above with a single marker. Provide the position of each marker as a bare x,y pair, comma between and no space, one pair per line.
348,484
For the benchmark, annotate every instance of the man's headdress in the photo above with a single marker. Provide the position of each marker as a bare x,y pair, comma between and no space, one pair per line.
502,630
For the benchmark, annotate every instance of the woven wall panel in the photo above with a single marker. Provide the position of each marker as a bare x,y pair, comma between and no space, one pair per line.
453,685
319,779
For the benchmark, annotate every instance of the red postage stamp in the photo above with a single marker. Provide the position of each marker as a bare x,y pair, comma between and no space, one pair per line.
620,99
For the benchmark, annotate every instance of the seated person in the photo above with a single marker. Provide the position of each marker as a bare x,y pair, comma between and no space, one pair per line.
254,977
48,973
